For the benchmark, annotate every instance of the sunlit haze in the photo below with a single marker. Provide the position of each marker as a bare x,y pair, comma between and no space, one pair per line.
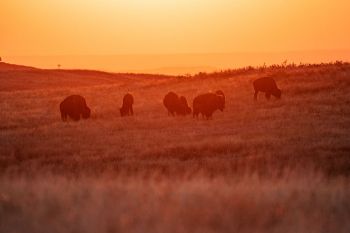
174,116
64,30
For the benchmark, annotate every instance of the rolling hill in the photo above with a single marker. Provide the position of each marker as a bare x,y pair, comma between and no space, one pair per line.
258,166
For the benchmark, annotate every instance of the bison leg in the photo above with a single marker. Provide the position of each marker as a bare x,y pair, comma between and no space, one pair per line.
64,116
171,113
131,111
75,116
256,95
268,95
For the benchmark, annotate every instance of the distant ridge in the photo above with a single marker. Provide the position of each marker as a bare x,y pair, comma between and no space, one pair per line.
18,77
11,67
179,64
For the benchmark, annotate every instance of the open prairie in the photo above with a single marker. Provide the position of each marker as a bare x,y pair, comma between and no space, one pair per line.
258,166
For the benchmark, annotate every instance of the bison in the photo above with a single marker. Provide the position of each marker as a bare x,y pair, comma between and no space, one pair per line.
126,108
207,104
75,107
267,85
176,105
183,108
171,101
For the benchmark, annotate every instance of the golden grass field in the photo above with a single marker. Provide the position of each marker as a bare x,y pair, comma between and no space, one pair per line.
265,166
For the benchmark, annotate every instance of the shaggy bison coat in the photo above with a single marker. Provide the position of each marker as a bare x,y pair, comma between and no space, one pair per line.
75,107
126,108
267,85
207,104
176,105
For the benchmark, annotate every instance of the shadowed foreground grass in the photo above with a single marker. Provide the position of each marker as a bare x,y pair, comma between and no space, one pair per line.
201,205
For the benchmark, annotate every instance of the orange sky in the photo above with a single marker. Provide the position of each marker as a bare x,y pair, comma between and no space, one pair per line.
97,27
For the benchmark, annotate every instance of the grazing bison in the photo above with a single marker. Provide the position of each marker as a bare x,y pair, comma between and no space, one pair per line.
267,85
207,104
183,108
126,108
171,102
74,106
176,105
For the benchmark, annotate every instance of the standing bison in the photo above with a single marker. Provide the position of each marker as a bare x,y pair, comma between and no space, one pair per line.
208,103
176,105
75,107
126,109
171,102
267,85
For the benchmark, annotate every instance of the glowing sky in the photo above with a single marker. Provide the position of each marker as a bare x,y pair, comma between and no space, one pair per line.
61,27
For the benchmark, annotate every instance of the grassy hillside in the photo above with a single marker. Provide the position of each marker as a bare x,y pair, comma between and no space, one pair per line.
278,165
19,78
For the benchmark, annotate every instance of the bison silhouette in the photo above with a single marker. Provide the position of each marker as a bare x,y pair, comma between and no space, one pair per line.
208,103
75,107
267,85
176,105
183,108
126,109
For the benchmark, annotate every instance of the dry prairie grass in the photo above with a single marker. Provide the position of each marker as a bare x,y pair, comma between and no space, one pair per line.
201,205
259,166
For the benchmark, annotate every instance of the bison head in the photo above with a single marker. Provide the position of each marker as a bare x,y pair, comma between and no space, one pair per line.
86,112
222,100
220,92
122,112
277,93
220,103
183,107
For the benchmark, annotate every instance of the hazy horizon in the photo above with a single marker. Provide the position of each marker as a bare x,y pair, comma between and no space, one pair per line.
180,63
172,36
